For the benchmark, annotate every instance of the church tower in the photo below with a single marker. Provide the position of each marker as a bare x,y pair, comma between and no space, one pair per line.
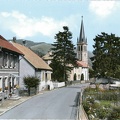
82,53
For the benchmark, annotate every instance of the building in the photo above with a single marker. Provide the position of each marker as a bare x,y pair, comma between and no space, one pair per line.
32,65
82,55
9,67
47,58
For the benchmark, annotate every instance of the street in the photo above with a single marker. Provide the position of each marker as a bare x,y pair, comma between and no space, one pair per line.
57,104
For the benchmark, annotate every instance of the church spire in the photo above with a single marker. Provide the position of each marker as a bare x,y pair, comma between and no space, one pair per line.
82,53
82,33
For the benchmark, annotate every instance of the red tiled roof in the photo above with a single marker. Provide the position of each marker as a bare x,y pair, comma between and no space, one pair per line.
81,64
5,44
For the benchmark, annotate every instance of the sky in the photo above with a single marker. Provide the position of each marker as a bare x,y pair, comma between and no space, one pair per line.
40,20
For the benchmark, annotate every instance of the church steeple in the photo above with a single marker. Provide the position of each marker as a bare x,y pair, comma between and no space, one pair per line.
82,54
82,33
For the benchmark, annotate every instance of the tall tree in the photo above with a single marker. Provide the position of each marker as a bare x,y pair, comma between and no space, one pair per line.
63,55
106,59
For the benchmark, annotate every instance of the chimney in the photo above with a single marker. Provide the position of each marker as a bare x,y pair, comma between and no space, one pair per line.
24,42
14,39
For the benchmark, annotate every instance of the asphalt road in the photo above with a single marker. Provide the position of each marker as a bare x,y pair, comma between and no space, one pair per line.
56,104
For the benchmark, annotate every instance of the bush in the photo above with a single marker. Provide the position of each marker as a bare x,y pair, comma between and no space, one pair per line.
86,106
107,95
115,114
99,104
102,112
30,82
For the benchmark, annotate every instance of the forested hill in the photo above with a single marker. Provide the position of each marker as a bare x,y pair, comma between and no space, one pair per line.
41,48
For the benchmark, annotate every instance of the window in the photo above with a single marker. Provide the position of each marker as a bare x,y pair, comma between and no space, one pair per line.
15,61
81,48
1,59
0,83
78,48
4,79
5,57
10,60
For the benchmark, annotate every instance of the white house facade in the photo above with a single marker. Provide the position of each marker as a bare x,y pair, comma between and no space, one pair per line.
32,65
9,67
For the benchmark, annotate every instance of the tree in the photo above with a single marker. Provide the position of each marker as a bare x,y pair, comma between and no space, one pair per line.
63,55
91,73
57,71
31,81
106,59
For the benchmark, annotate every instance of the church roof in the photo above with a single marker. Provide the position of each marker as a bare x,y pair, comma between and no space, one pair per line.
82,64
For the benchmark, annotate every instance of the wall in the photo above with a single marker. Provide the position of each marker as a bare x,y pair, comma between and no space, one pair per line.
78,72
58,84
25,70
86,73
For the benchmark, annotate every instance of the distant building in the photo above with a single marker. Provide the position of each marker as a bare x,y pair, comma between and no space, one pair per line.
47,58
31,64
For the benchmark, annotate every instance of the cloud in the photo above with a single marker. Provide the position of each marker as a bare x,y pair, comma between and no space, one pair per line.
23,26
103,8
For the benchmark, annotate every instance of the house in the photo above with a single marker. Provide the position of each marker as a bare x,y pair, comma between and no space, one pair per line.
9,67
47,58
31,64
82,56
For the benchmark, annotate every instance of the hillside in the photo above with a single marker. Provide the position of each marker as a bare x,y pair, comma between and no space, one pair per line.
42,47
28,42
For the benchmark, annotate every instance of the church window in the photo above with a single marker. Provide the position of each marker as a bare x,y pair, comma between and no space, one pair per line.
81,48
78,48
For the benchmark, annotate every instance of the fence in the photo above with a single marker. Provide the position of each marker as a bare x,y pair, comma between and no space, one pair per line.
58,84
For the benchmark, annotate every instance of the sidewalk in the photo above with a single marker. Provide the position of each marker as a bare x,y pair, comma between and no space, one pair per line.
9,104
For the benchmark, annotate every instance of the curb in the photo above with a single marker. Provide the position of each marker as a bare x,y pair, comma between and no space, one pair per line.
14,106
19,104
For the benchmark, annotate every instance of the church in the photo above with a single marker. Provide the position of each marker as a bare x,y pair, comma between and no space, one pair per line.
82,71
